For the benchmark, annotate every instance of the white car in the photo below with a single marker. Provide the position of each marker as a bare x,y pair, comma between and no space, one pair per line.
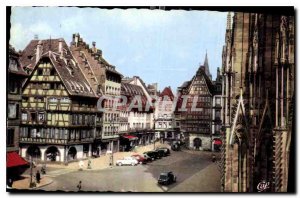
127,161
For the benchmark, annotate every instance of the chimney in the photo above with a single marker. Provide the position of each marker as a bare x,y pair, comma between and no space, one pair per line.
77,36
38,51
60,47
135,79
218,71
94,47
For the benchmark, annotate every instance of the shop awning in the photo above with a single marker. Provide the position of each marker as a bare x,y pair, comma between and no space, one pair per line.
14,160
130,137
218,142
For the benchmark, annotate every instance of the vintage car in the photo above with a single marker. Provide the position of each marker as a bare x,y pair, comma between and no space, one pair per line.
127,161
166,178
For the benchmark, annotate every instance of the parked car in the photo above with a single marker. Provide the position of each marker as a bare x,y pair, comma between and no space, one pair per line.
166,178
127,161
152,154
139,158
160,153
147,157
166,151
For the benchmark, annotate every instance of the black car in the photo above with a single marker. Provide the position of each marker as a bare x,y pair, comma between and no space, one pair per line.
160,153
157,154
152,154
166,178
165,150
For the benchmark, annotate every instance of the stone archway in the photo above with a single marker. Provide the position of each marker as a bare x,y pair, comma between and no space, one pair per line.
34,152
52,154
197,143
72,154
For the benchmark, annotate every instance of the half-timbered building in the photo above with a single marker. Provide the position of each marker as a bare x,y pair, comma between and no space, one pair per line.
194,110
59,107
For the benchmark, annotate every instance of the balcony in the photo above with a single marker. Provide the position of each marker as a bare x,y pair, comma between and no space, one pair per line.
123,119
54,141
42,141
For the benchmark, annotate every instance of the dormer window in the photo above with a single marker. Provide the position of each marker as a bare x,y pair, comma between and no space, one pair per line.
39,71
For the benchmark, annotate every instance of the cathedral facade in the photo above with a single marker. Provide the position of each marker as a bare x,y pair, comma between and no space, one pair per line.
258,102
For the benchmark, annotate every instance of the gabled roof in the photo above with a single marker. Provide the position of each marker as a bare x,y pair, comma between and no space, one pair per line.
70,74
18,70
94,53
207,79
131,90
167,92
185,84
28,55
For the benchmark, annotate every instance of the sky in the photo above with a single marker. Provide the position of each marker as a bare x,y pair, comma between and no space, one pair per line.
164,47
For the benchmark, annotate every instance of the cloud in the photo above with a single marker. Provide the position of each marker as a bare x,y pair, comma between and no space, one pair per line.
137,19
20,35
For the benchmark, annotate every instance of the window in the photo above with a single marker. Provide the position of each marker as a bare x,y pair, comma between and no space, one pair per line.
24,116
33,116
39,71
52,72
13,110
41,116
10,137
53,100
13,65
33,133
218,101
65,100
13,87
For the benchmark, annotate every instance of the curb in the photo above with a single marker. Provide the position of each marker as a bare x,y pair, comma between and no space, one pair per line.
36,188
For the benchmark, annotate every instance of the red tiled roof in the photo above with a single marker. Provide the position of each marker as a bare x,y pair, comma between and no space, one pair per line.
167,92
14,160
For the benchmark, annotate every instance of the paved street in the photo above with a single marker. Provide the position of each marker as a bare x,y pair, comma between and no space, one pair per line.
194,170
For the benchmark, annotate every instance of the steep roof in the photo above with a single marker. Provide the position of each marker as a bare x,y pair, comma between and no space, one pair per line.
167,92
15,67
66,67
185,84
130,91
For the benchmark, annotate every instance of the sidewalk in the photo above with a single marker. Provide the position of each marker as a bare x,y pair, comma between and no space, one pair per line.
25,181
103,161
99,163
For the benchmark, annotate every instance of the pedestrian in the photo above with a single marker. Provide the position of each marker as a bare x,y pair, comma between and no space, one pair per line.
81,165
213,158
10,182
38,177
79,186
43,169
89,164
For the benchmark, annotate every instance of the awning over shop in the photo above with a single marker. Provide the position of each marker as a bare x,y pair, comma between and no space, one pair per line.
130,137
14,160
218,142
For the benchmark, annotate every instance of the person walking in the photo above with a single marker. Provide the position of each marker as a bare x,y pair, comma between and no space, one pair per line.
79,186
38,177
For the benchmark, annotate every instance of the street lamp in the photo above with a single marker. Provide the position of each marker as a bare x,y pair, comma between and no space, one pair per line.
31,184
112,121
